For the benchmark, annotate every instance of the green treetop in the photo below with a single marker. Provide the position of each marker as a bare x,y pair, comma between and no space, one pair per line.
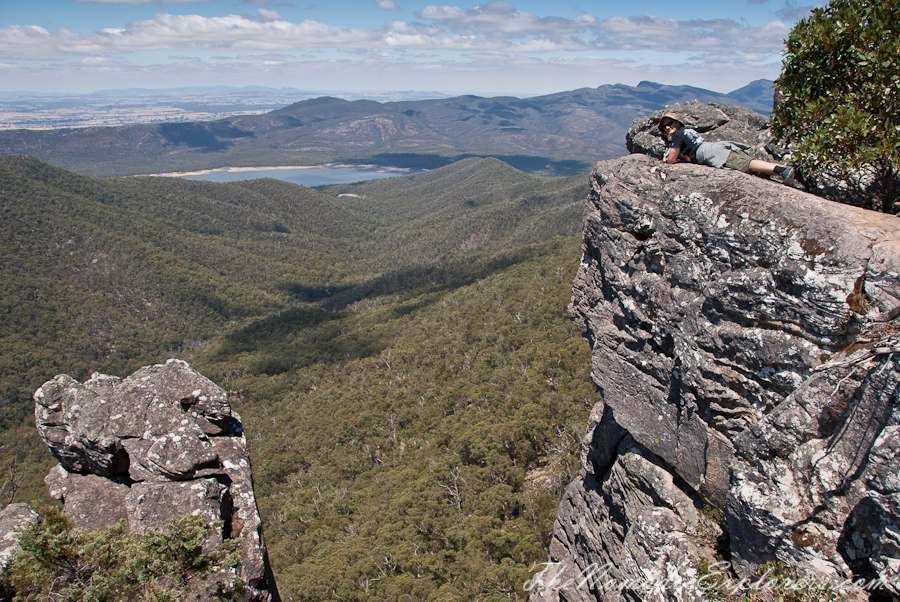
840,89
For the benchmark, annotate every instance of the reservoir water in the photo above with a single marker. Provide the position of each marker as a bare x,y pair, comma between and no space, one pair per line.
317,175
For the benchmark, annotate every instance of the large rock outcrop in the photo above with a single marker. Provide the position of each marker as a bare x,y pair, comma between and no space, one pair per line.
744,348
160,443
715,122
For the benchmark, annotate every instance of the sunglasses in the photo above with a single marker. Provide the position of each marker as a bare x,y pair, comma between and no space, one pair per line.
666,124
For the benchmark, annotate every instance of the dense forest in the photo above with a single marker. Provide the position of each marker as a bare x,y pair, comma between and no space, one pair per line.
412,389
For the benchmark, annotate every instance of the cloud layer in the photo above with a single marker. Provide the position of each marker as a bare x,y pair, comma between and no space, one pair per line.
483,39
495,26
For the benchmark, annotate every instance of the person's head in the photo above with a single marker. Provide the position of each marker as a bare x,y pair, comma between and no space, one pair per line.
669,123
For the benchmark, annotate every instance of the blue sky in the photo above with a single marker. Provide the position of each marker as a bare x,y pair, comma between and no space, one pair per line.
516,47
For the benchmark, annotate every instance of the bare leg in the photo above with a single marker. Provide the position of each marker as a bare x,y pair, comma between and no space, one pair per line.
788,174
763,167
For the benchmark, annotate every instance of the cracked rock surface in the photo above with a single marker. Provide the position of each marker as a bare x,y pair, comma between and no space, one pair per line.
160,443
743,348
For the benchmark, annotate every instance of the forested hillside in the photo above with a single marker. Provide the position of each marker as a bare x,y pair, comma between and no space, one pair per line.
412,389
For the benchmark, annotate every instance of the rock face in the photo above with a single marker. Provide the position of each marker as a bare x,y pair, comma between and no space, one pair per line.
160,443
13,518
744,347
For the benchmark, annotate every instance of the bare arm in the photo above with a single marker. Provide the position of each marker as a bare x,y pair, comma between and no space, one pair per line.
673,155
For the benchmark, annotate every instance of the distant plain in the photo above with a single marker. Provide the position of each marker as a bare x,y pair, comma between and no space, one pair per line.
32,111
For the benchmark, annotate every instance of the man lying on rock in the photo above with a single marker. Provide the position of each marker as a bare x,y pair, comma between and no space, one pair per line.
686,144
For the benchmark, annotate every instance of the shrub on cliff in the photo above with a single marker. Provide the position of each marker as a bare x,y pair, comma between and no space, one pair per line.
57,561
840,89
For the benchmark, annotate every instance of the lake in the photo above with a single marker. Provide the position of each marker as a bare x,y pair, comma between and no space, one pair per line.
309,176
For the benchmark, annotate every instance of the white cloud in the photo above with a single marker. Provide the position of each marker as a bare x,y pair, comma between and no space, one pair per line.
673,35
184,32
483,40
239,32
263,56
404,28
99,61
31,40
502,18
268,14
493,27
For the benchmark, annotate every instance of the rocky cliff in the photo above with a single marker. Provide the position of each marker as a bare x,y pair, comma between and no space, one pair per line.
745,350
160,443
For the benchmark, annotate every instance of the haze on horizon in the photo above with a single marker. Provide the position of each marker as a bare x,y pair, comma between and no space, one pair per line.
521,48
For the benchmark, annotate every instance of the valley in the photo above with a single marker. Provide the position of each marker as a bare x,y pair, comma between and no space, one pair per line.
412,390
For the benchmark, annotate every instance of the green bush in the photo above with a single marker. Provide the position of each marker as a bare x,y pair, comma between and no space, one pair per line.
840,89
57,561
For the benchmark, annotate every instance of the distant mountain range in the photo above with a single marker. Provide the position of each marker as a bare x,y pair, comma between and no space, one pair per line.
556,134
758,95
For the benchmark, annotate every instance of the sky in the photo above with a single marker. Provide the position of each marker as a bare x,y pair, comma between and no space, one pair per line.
517,47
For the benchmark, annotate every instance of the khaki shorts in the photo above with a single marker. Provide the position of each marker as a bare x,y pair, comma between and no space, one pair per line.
739,161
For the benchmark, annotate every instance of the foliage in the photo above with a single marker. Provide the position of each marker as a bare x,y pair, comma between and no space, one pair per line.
409,426
107,275
427,447
57,561
411,387
840,89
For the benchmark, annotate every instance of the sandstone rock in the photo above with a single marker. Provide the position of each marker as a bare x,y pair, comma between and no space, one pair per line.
160,443
742,345
244,522
822,493
604,436
205,401
92,501
624,535
715,122
108,424
13,518
153,505
80,442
